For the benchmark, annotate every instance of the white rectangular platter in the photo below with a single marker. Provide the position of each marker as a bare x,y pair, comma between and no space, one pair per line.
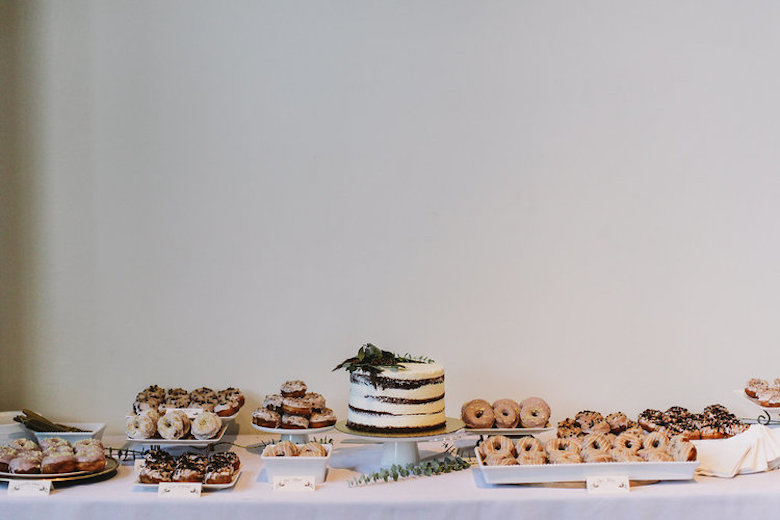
528,474
205,486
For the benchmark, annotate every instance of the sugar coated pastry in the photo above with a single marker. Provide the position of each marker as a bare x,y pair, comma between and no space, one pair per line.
140,427
173,425
296,406
206,425
477,413
295,422
534,412
294,388
266,418
322,418
507,413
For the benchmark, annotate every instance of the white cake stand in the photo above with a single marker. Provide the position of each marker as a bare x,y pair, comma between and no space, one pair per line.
401,448
296,436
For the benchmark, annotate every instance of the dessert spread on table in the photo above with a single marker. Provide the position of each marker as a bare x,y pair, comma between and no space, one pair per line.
394,394
294,408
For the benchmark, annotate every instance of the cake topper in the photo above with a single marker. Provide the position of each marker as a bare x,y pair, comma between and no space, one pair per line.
372,359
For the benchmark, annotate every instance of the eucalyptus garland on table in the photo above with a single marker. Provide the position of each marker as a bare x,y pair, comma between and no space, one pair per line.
448,464
372,359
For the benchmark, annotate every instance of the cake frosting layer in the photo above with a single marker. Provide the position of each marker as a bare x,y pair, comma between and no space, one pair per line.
409,399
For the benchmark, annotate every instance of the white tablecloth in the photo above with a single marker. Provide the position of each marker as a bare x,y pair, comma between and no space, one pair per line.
460,495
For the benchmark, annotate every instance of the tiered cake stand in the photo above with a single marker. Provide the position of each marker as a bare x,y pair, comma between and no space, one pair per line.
401,448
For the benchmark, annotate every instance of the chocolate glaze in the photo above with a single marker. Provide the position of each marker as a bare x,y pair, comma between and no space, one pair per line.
375,429
378,381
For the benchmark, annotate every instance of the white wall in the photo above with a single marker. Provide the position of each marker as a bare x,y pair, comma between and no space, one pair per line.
572,200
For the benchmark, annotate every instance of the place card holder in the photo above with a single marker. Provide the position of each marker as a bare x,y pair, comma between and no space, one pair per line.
608,485
179,489
29,488
294,483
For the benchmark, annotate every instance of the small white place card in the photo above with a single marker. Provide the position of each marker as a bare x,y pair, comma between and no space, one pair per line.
138,465
608,485
298,483
29,488
179,489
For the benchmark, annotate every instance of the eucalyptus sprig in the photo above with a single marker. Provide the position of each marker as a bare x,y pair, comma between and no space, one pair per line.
372,359
396,472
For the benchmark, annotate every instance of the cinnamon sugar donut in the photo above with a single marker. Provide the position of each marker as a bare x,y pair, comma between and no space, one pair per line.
477,413
534,412
507,413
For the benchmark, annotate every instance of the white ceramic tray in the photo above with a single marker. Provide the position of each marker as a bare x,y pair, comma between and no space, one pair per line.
510,432
531,474
205,486
188,441
297,466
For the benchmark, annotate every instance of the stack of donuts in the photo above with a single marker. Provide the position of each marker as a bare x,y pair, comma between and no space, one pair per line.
52,456
629,446
768,395
160,466
224,403
288,449
173,425
294,408
532,412
715,422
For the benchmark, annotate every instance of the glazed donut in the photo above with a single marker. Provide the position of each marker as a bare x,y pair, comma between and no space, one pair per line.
656,456
477,414
498,444
593,455
534,412
313,449
532,458
58,462
206,426
24,445
50,443
655,441
273,402
140,427
294,388
629,441
218,472
565,457
25,463
529,445
596,441
232,394
623,455
7,454
507,413
266,418
92,458
500,459
559,444
87,443
173,425
227,406
618,422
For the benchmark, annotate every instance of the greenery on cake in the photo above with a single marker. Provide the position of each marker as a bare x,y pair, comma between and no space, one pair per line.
372,359
396,472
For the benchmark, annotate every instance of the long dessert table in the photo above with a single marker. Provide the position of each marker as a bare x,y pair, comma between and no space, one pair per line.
458,495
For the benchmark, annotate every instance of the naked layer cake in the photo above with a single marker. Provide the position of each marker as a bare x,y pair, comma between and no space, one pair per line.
394,394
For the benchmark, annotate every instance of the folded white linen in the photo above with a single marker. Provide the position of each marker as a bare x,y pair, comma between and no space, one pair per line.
755,450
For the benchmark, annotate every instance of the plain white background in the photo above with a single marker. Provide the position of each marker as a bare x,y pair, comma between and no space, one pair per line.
573,200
